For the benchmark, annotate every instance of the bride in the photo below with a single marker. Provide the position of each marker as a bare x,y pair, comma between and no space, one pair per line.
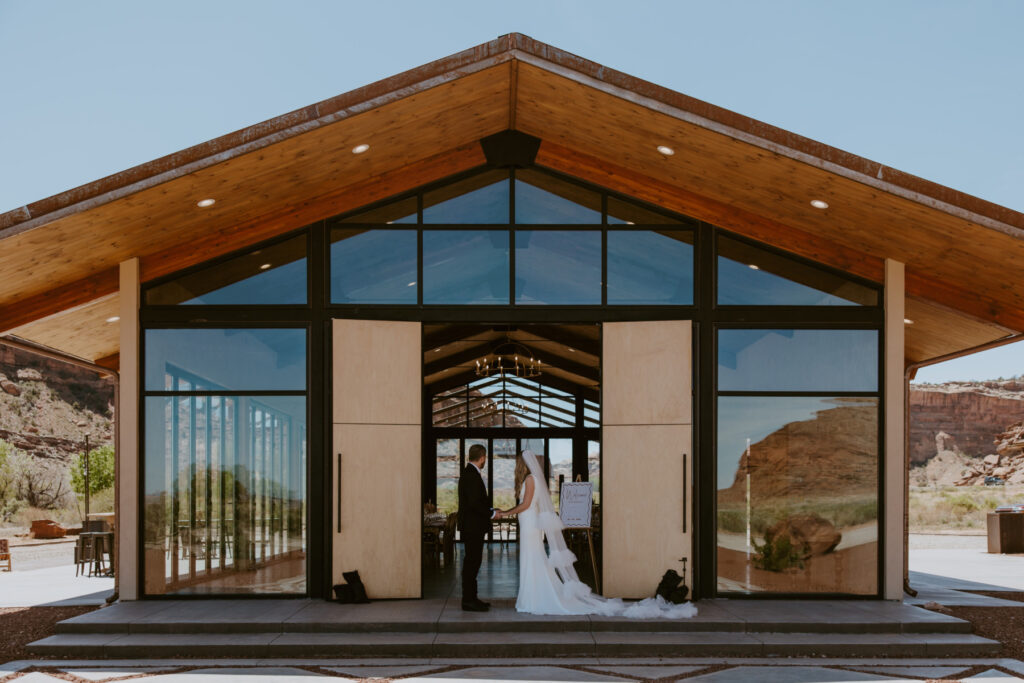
548,583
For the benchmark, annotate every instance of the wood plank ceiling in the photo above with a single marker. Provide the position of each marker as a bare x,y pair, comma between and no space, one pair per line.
61,254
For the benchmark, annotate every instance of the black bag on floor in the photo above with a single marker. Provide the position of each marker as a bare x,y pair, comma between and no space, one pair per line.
669,583
352,592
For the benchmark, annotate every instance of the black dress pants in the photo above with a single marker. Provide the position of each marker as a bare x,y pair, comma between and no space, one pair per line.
474,548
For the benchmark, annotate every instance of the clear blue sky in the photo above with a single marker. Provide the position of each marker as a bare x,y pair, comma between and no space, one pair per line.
931,87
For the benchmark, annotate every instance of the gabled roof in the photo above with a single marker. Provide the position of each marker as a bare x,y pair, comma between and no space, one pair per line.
60,255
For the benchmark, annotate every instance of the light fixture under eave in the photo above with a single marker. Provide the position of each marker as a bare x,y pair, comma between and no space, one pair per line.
753,266
509,358
204,203
666,150
819,203
359,149
908,321
265,266
113,318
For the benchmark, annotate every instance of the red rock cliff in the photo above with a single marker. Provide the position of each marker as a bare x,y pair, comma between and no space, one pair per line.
973,413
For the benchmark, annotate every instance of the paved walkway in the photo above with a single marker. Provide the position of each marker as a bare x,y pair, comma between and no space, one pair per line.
53,586
702,670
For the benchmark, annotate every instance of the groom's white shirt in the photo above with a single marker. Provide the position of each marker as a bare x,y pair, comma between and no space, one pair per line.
493,512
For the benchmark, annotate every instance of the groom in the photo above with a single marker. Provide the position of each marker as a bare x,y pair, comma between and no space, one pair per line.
475,515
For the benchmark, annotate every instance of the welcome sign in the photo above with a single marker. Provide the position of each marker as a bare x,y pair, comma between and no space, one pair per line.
575,503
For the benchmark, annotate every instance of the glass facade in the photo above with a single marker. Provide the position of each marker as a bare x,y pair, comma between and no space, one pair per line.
797,461
273,275
224,469
790,394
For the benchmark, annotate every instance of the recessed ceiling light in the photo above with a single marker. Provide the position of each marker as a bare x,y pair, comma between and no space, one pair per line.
359,149
908,321
819,204
113,318
203,203
264,266
754,266
666,150
571,350
437,350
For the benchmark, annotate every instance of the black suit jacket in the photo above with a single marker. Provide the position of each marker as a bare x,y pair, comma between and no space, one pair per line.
474,503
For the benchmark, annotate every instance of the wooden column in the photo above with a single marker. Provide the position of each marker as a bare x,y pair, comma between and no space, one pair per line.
895,466
128,436
647,476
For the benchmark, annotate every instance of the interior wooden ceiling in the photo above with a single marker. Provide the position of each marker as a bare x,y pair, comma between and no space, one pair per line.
61,254
569,354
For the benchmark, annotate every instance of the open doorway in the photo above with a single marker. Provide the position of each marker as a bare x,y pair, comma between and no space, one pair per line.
507,388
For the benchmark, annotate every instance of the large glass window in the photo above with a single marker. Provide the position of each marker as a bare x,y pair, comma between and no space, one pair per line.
797,461
226,359
465,267
224,466
797,360
373,267
274,274
477,200
558,267
545,199
751,276
650,268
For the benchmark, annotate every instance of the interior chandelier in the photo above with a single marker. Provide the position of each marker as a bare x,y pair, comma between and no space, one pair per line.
509,358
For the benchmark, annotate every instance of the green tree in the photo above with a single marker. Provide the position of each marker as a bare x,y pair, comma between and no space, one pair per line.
101,470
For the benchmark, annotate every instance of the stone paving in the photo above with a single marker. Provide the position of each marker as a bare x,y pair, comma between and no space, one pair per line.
436,671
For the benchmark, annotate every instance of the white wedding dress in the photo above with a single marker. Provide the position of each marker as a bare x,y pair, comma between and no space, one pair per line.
548,583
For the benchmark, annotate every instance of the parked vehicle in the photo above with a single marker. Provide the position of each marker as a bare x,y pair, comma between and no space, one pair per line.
1012,507
994,481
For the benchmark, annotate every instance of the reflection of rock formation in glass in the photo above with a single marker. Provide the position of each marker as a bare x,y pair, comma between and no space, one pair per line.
834,454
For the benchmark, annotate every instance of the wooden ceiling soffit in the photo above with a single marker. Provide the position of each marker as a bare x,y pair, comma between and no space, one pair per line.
83,331
64,299
873,218
754,226
551,83
232,238
968,304
298,171
367,191
258,136
936,331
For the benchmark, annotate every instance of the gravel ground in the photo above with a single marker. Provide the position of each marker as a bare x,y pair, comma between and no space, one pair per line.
1005,624
23,625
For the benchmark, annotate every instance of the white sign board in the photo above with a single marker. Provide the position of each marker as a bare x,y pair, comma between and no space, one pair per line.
575,503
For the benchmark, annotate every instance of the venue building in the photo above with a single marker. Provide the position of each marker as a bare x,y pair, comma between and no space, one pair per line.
711,320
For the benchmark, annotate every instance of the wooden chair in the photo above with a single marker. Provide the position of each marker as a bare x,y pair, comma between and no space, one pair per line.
5,553
448,539
432,545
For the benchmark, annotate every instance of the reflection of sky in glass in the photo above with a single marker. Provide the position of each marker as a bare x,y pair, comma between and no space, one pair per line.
748,417
739,284
374,267
488,205
537,206
558,267
798,360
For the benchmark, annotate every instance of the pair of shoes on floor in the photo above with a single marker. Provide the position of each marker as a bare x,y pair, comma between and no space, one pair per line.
475,605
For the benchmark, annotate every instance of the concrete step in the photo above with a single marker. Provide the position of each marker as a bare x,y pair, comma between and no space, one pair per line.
297,617
551,643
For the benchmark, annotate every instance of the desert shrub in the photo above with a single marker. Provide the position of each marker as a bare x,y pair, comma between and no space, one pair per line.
101,470
777,553
963,503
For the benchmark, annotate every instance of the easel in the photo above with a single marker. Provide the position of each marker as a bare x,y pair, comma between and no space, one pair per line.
590,545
